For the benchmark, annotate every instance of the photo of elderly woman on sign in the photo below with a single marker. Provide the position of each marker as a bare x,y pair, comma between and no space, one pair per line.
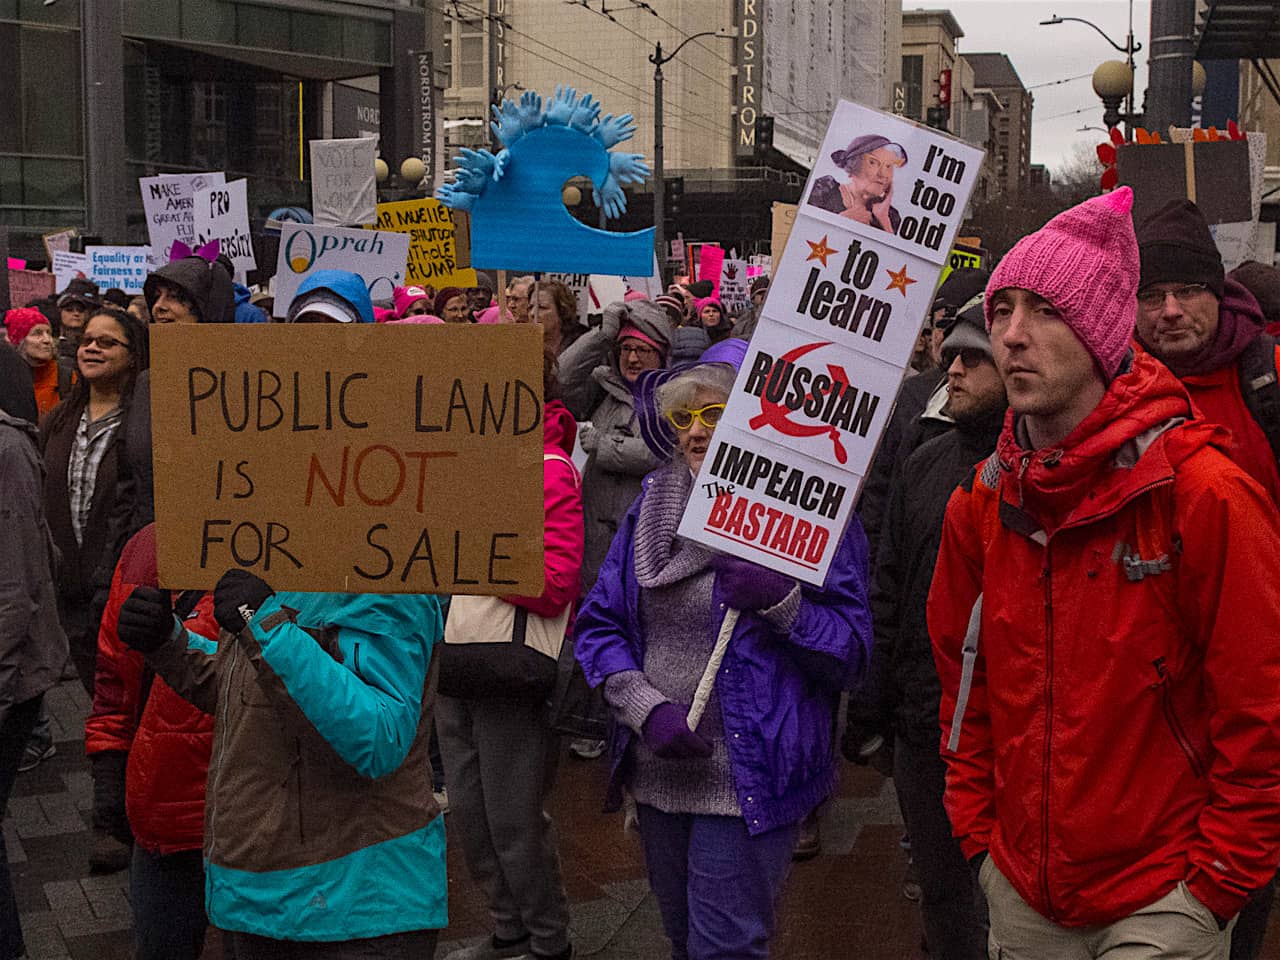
867,196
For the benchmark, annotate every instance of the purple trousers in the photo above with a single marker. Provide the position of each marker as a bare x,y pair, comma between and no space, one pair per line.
717,886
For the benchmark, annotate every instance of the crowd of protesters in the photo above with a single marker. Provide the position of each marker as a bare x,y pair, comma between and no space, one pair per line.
1049,623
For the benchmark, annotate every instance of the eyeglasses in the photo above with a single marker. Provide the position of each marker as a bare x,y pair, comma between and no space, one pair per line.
1155,299
708,416
639,349
103,342
969,356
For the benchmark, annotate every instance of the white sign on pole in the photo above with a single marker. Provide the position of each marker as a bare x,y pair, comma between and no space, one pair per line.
67,266
650,286
1237,242
123,267
822,371
222,214
344,190
169,203
379,257
733,286
848,287
579,285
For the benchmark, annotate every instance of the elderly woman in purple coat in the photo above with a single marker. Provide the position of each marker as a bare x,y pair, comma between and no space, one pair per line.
718,805
867,196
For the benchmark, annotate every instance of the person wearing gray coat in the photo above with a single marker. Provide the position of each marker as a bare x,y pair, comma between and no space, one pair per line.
33,647
596,374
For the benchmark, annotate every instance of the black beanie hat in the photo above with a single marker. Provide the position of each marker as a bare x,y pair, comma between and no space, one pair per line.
1263,282
1175,246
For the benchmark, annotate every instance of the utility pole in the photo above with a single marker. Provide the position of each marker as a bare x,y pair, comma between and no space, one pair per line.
1169,56
659,183
102,51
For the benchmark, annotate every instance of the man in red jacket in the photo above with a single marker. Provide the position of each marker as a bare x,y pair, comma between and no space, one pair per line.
1208,329
1109,656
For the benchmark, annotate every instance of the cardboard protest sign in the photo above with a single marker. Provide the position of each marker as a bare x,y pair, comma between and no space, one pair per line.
222,214
378,257
61,240
1214,176
894,177
813,395
784,218
123,267
770,506
344,189
733,288
962,256
435,257
357,458
28,285
169,202
68,266
710,264
853,278
853,289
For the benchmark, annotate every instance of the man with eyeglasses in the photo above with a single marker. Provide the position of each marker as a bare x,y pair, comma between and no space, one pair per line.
1208,329
902,686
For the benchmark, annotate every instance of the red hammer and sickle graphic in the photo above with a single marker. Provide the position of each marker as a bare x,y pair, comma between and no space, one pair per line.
777,416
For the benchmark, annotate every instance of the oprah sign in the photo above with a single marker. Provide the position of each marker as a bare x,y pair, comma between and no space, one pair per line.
350,458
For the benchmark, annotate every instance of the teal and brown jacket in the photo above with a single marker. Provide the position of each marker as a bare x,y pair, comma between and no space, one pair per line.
320,822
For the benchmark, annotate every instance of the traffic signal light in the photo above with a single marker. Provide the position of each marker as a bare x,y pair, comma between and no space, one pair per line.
764,133
674,195
944,88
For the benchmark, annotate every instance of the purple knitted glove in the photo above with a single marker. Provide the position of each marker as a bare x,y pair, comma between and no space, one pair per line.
749,586
668,735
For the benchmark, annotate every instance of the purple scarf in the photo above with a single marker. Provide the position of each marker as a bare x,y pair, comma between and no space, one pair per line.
1240,322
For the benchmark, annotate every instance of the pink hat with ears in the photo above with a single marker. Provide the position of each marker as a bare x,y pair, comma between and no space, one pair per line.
405,297
418,318
631,295
1085,262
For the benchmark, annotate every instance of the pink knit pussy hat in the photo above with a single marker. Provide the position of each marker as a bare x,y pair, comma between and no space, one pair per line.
1085,262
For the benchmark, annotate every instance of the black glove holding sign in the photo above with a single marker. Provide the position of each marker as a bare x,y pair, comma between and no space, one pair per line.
237,597
146,619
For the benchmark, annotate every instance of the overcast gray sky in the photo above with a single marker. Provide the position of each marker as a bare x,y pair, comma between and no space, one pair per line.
1045,54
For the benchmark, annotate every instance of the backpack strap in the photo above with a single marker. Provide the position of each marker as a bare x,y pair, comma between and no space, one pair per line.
1261,387
989,473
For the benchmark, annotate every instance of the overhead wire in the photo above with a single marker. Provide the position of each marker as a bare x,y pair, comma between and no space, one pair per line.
476,13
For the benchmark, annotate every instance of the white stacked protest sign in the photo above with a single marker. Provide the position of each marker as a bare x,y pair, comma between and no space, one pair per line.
169,202
848,296
222,214
344,190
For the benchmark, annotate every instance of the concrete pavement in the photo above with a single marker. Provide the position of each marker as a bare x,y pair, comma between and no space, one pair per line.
845,903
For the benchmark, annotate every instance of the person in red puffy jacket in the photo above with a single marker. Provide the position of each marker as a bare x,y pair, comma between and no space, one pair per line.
1109,653
149,750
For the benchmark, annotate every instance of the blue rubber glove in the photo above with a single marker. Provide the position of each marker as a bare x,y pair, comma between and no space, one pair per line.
749,586
668,735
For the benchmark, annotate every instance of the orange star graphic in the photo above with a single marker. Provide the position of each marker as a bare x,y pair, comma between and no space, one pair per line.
900,280
819,251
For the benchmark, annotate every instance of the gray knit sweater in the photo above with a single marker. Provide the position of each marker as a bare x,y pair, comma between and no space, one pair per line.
680,630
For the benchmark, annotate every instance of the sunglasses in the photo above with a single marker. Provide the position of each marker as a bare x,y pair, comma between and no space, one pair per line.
969,356
708,416
103,342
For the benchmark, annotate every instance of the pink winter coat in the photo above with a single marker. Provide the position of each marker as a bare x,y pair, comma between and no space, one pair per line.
563,524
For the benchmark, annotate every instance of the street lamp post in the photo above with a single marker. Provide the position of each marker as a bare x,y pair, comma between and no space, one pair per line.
658,58
1111,77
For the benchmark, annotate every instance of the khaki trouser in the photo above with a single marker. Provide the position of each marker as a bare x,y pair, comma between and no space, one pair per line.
1175,927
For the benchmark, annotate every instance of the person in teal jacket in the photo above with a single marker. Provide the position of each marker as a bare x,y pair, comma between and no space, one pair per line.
320,825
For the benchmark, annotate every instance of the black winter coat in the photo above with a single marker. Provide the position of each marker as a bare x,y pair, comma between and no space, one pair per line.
902,681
